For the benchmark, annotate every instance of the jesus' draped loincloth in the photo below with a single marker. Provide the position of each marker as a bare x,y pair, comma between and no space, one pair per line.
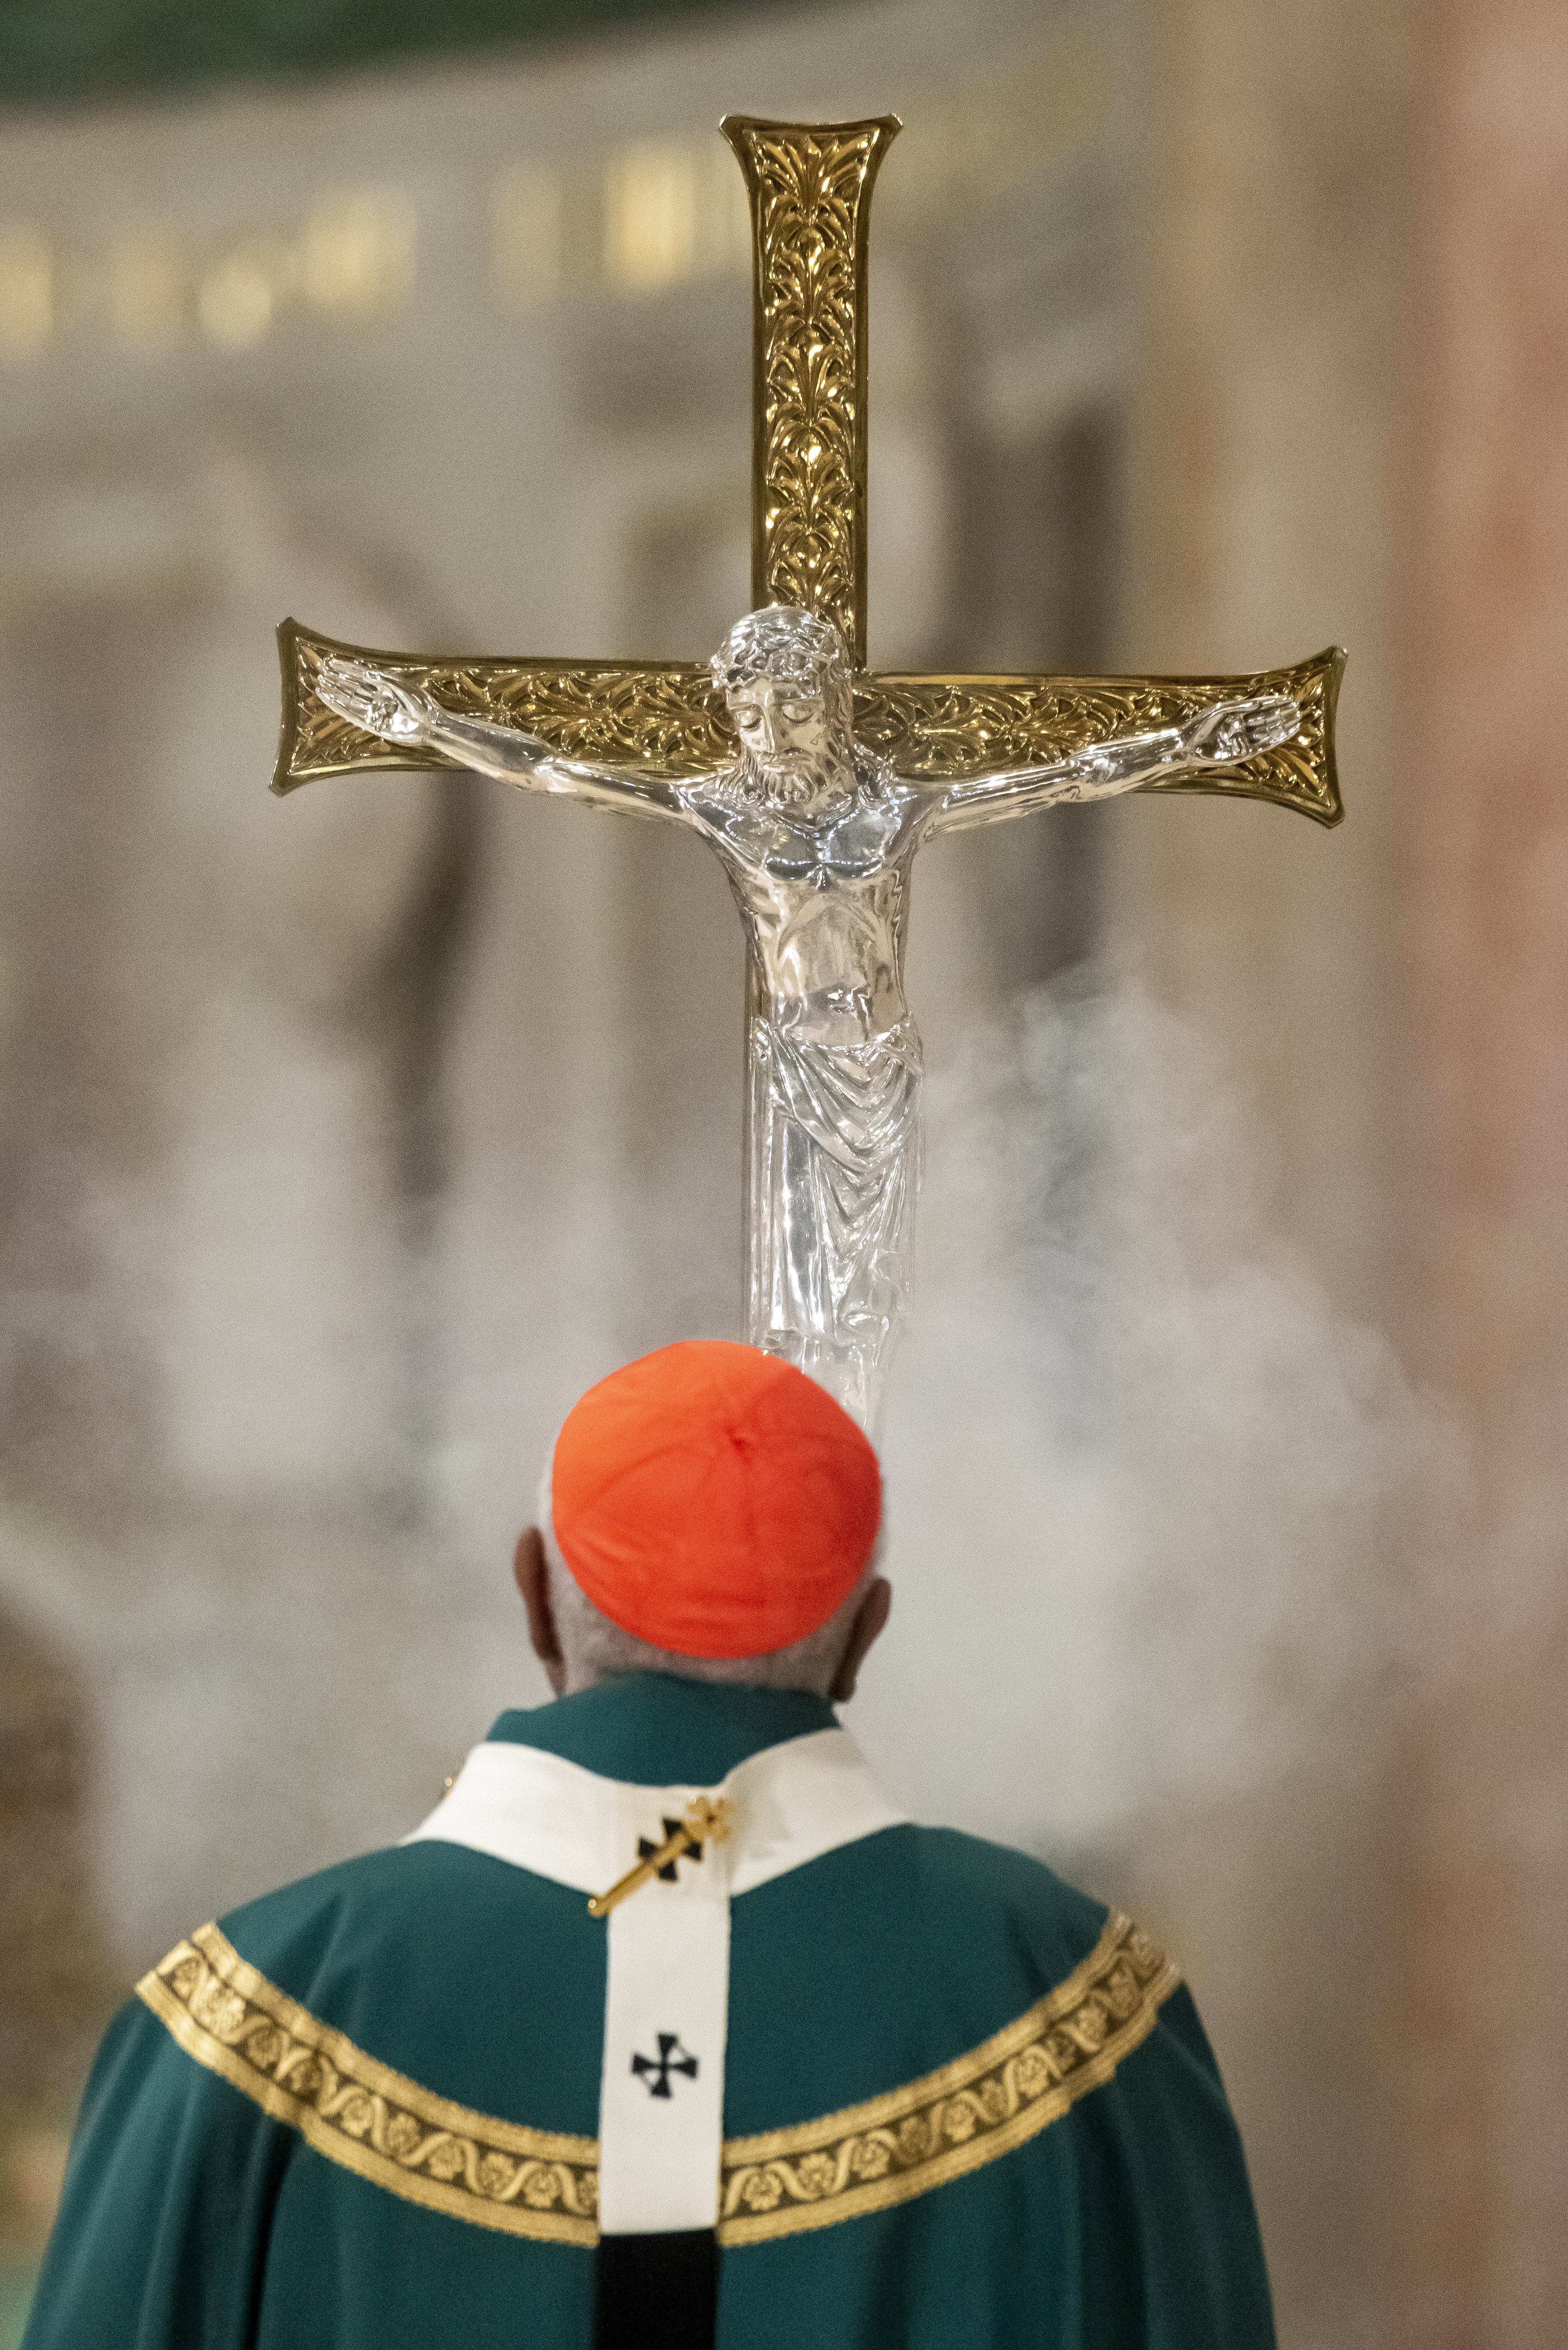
834,1168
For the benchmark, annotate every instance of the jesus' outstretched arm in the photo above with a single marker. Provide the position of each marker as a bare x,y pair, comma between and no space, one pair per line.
1214,738
406,715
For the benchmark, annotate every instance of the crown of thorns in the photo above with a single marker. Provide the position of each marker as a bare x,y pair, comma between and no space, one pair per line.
794,646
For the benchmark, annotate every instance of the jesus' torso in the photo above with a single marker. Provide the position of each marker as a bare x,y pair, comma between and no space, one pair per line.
823,895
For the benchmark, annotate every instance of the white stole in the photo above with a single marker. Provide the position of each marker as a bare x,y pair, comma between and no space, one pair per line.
661,2098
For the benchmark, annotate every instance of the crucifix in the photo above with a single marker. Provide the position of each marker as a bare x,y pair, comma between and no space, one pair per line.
813,779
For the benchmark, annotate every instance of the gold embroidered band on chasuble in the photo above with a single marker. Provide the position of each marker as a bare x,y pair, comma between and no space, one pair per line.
541,2183
360,2113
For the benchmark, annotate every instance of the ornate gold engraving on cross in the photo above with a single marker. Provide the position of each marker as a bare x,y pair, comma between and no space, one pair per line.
811,218
810,188
815,780
710,1820
943,728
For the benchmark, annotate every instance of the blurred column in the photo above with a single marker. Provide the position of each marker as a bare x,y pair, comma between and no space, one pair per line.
59,1976
1479,1887
1264,519
1355,424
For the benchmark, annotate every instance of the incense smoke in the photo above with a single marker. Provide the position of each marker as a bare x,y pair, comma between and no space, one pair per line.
1142,1479
1143,1475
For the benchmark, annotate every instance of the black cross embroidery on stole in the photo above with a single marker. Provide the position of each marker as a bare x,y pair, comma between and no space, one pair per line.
658,2073
646,1849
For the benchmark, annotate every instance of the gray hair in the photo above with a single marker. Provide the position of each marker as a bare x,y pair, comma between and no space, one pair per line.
595,1650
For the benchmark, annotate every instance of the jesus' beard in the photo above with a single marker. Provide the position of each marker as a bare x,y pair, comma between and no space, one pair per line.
795,784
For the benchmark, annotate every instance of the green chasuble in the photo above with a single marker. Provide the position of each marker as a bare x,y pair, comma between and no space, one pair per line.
963,2108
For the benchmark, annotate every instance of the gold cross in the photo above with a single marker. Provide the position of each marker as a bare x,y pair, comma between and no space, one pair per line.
810,186
710,1820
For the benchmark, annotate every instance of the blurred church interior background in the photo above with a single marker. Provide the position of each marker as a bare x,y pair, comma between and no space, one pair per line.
347,1137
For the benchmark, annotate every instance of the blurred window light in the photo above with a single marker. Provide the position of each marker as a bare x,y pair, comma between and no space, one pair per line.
239,295
673,213
724,211
650,216
526,219
147,289
357,252
26,291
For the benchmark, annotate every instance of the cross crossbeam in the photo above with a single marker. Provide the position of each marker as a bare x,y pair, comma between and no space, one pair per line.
940,728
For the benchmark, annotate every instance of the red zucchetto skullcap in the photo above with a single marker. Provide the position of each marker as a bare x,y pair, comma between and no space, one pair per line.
713,1501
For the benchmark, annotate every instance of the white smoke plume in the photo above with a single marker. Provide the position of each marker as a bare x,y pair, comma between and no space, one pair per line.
1142,1480
1144,1477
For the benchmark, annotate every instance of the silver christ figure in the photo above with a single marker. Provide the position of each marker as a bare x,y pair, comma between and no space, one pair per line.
817,836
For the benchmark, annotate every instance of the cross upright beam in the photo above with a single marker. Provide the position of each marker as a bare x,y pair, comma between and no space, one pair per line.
810,187
810,192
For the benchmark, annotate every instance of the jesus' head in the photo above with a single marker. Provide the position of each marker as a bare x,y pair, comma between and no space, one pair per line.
785,675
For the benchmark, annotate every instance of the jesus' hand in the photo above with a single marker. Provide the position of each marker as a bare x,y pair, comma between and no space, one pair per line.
1239,730
370,698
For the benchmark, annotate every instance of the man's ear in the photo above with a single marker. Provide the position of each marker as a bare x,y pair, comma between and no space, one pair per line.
533,1583
870,1618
